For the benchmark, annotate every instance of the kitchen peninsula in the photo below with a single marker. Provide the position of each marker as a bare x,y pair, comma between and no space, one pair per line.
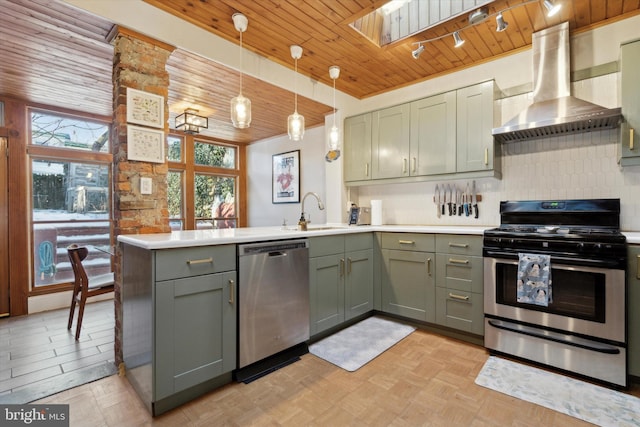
180,290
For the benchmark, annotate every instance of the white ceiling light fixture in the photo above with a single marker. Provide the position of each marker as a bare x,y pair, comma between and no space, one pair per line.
295,122
552,8
459,41
417,52
334,132
501,24
240,105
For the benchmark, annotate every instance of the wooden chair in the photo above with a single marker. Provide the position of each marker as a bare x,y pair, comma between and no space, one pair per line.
84,287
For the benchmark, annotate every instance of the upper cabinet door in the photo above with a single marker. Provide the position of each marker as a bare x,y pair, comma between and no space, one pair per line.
433,135
357,148
390,144
630,87
475,144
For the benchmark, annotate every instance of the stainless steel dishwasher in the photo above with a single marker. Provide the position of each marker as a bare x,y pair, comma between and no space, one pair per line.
273,299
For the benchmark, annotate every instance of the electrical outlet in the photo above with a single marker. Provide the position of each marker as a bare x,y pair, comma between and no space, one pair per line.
146,185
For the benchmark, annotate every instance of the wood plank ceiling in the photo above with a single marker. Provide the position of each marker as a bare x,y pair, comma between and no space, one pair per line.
54,54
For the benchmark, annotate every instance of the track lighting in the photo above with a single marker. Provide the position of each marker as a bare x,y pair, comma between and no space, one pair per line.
501,25
416,53
552,8
480,15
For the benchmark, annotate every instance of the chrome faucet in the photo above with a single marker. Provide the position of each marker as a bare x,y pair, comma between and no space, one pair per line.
302,224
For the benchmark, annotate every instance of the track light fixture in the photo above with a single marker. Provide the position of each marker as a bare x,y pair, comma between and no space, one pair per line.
552,8
501,25
480,15
416,52
459,41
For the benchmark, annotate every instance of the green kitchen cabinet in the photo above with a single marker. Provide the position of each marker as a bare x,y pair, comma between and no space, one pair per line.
460,282
433,135
474,141
390,142
629,148
633,302
341,279
357,148
408,275
178,322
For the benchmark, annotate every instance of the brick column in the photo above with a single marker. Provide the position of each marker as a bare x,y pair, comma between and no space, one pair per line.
139,62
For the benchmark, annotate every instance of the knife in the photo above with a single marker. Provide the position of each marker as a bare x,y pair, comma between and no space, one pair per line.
456,201
461,203
436,199
475,200
444,199
467,199
450,199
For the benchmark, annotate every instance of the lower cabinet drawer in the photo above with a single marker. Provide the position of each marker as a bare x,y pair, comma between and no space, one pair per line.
194,261
460,310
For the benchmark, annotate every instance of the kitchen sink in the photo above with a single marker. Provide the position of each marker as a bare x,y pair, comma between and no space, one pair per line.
317,227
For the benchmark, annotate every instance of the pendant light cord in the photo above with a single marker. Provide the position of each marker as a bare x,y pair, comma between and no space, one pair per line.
334,102
241,63
295,86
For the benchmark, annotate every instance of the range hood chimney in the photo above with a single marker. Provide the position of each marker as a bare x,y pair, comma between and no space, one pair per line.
554,111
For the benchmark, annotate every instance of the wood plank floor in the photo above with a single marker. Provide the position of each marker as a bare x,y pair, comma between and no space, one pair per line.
39,355
425,380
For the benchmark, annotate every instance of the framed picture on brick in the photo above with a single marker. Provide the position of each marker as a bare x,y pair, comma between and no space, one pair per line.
145,145
145,108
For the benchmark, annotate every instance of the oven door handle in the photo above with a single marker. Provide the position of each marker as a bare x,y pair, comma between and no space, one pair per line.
595,263
554,336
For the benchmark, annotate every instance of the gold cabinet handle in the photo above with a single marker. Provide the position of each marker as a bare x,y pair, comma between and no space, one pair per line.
460,297
429,266
406,242
631,139
348,265
341,267
200,261
458,245
458,261
232,291
415,164
366,169
486,156
638,267
404,165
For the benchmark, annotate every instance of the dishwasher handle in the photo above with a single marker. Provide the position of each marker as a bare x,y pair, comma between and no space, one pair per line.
277,254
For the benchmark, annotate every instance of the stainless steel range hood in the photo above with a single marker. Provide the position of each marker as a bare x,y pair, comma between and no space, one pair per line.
554,111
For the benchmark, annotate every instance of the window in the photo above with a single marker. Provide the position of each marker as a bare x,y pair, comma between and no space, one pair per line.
202,183
70,195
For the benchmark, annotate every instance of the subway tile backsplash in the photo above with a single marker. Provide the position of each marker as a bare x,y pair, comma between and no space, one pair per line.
564,167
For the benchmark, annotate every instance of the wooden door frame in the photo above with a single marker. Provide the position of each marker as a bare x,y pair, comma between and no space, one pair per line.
4,227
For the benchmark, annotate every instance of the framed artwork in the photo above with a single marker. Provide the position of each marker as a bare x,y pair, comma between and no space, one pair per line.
144,144
145,108
286,177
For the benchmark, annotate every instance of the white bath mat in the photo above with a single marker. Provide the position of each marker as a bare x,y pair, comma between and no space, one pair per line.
353,347
579,399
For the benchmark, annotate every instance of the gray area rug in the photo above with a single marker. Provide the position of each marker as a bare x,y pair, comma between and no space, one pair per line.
579,399
353,347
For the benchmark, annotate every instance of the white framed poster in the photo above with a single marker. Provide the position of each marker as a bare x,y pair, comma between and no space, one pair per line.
144,144
145,108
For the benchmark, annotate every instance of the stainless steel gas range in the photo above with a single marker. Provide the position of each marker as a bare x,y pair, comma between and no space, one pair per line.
554,286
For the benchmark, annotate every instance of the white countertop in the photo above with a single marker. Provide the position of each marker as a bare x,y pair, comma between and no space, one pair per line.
633,237
179,239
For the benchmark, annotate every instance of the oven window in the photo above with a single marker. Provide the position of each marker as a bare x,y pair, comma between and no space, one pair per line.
577,294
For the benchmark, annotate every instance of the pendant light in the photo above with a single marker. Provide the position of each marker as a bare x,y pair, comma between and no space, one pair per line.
240,105
334,133
295,122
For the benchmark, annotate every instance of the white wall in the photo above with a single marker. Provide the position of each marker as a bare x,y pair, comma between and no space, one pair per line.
261,211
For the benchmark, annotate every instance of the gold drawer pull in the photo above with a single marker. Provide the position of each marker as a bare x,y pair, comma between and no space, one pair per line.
232,291
341,267
631,139
458,245
404,165
200,261
429,266
349,265
458,261
638,267
486,156
366,169
460,297
406,242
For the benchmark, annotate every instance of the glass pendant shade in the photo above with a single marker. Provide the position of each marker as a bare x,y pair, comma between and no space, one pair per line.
241,112
295,126
334,137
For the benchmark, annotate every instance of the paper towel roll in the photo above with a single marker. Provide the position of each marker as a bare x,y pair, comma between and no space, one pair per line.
376,212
